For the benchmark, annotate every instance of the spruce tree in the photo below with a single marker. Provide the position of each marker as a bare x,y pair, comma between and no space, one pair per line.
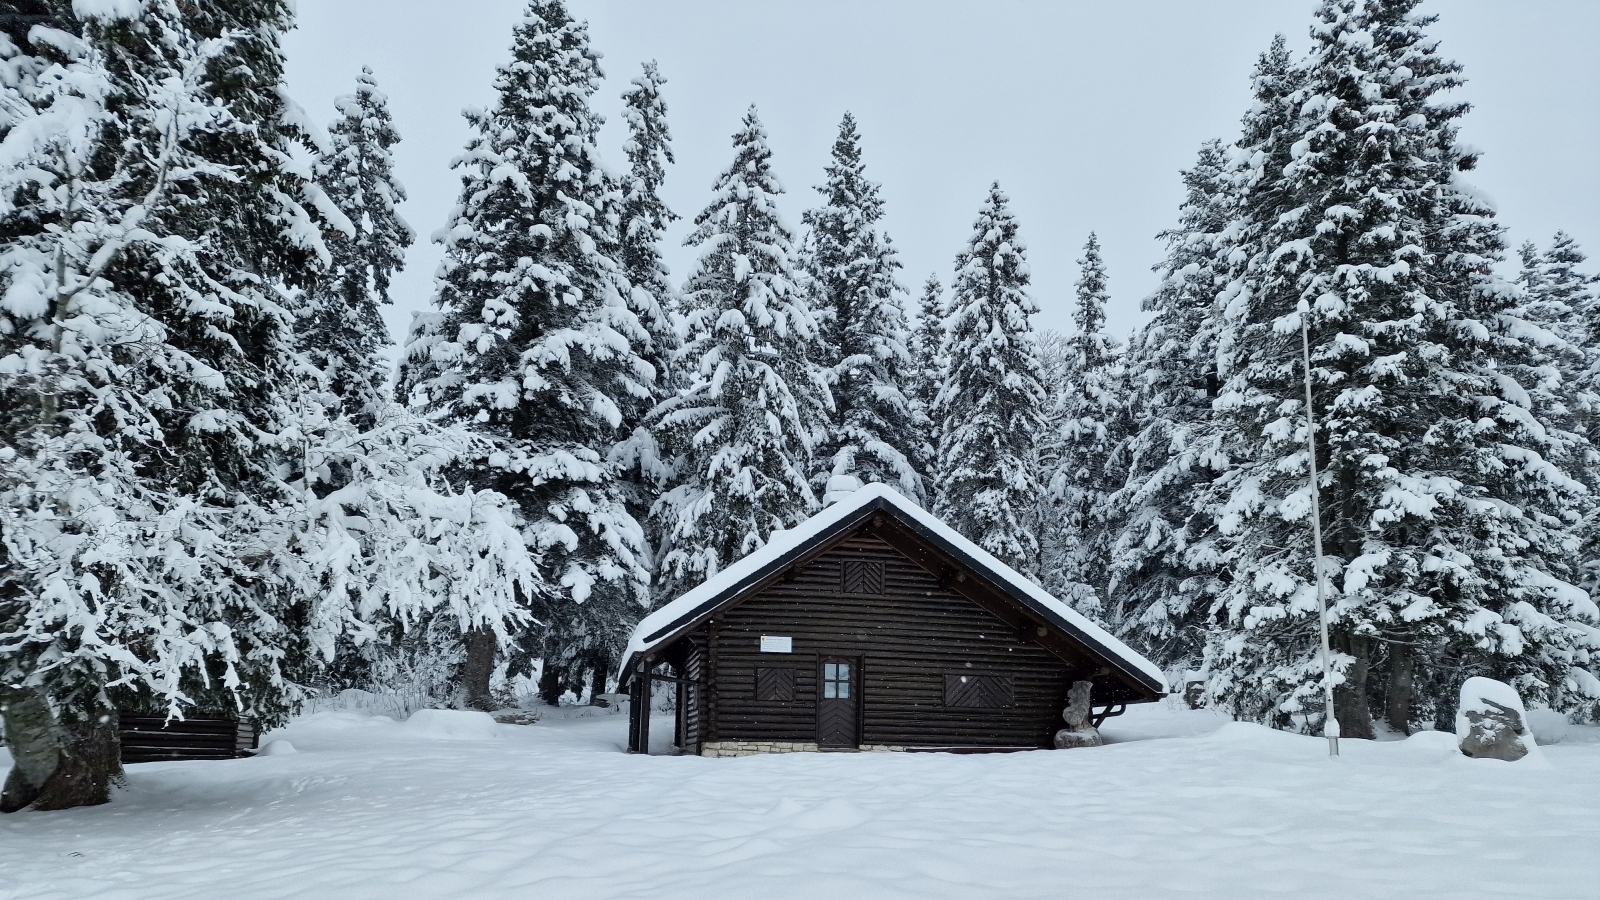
534,344
645,217
753,402
342,331
1089,417
927,343
1165,560
1562,300
1446,514
392,552
1046,520
147,366
989,410
876,433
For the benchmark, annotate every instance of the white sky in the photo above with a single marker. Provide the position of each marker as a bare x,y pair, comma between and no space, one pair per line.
1084,111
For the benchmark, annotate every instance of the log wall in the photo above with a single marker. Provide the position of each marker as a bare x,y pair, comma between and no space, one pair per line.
909,631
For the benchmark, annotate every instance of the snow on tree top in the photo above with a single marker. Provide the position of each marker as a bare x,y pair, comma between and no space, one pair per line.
666,622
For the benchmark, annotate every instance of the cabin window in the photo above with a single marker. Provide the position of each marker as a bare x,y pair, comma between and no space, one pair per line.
836,681
861,576
968,691
775,685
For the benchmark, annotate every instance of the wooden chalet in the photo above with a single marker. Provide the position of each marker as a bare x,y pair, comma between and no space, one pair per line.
873,626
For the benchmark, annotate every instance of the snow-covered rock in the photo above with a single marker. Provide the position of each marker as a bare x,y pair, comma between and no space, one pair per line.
453,724
1491,723
277,748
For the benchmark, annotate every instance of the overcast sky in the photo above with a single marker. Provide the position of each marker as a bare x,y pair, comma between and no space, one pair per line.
1084,111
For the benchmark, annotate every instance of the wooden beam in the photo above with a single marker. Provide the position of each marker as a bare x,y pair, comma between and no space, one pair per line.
633,714
677,709
644,706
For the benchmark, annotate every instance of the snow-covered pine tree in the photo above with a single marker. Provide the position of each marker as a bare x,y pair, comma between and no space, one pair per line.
1560,298
989,410
876,433
1045,519
1447,515
152,216
1164,561
645,217
1089,413
391,550
927,345
534,344
1055,352
1558,279
341,331
754,402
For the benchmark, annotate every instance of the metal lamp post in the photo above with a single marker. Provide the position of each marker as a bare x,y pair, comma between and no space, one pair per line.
1331,724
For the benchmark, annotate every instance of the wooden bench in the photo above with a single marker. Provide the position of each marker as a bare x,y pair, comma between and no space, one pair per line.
153,738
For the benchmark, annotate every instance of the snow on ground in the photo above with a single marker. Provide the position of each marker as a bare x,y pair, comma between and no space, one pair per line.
1182,804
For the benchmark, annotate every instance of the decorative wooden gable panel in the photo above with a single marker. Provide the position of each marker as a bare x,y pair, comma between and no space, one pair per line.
775,684
978,691
861,576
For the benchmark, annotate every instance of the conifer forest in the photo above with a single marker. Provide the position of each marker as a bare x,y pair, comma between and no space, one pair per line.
226,489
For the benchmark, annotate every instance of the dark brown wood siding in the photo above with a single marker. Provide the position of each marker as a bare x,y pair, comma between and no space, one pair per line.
908,639
694,694
153,738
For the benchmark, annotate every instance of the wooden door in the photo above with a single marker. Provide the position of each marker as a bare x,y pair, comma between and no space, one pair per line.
838,702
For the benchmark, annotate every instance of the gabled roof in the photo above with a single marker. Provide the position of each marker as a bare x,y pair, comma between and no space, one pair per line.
739,581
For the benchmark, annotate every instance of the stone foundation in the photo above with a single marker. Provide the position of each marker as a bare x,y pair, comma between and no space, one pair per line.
751,748
723,749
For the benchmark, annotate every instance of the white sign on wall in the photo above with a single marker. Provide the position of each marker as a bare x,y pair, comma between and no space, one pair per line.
771,644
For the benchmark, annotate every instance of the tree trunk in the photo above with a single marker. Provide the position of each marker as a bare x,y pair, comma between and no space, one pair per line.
1402,686
597,680
31,735
1350,699
551,684
91,761
475,672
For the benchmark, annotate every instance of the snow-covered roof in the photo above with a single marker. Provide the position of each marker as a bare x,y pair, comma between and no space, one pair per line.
668,622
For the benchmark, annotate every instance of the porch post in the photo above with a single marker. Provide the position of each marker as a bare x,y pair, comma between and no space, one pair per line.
643,678
633,716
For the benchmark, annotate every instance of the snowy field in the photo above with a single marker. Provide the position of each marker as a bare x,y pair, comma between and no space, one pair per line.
1183,805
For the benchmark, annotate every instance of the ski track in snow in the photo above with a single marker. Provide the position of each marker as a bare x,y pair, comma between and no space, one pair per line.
1183,805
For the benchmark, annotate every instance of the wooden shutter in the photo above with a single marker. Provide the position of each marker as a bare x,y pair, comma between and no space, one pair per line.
861,576
968,691
775,685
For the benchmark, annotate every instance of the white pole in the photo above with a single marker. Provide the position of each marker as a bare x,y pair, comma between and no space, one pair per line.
1330,727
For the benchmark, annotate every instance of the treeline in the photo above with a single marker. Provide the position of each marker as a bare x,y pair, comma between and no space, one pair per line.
216,496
